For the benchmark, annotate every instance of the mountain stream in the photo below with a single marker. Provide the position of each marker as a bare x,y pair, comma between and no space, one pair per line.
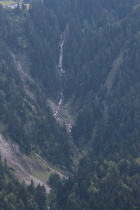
60,110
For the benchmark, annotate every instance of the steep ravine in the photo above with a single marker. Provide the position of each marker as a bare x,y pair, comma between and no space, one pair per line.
34,167
61,110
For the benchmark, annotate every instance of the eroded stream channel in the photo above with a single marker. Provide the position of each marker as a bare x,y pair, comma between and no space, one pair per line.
61,110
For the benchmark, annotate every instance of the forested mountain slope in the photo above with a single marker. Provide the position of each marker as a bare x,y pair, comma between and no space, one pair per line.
24,119
101,62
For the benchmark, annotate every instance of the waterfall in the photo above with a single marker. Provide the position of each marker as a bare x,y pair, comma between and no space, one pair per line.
62,115
60,65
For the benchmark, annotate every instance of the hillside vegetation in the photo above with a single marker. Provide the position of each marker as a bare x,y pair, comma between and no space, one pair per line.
101,90
14,196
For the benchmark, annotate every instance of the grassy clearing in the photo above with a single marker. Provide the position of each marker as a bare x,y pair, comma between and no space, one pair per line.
42,171
6,3
42,175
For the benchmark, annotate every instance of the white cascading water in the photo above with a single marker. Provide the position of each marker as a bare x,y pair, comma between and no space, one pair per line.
57,114
60,66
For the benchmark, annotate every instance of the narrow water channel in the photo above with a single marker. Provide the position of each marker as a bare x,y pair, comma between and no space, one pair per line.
61,113
62,72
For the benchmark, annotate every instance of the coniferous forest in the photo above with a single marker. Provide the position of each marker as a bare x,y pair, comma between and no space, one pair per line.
100,88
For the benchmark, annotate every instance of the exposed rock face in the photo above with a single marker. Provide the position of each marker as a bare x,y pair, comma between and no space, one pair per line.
26,168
